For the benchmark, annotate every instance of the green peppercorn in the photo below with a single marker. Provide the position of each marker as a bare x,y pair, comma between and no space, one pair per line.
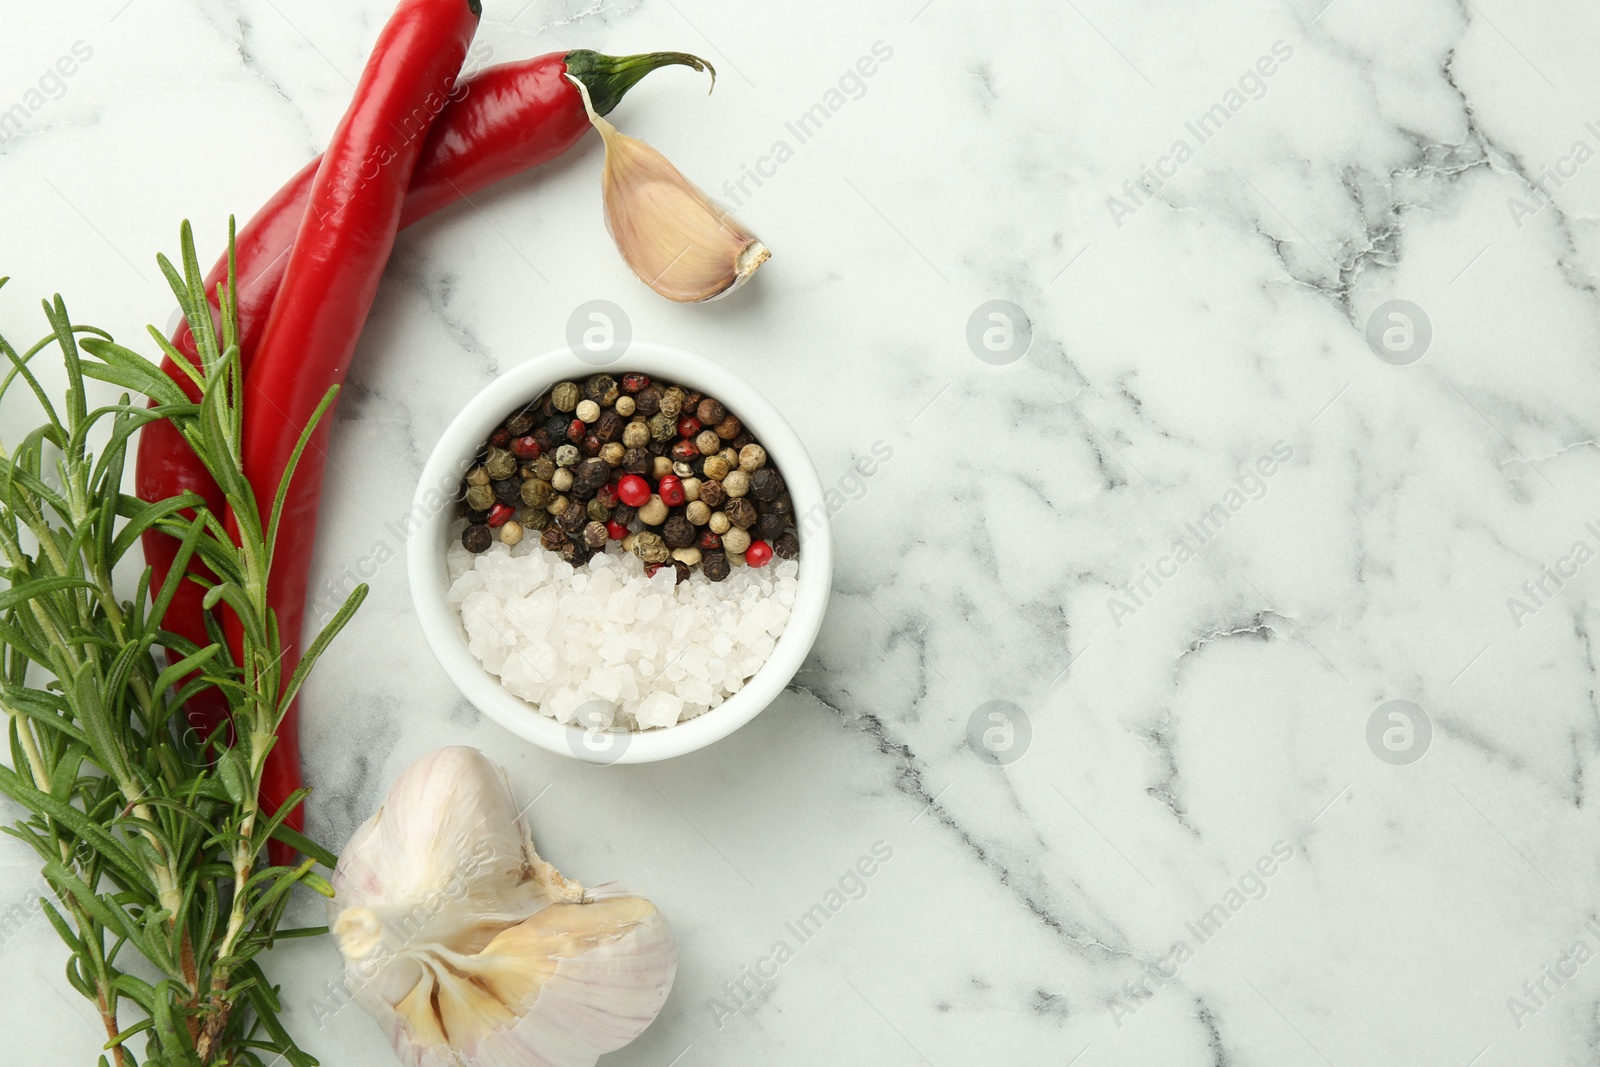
678,532
480,497
567,455
562,479
594,535
565,396
713,493
502,463
597,510
752,457
766,484
662,428
787,546
477,538
650,548
536,492
478,476
533,518
742,513
715,566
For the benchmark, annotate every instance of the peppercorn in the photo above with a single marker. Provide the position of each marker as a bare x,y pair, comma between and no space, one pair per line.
650,548
787,546
615,530
688,426
555,428
752,457
624,513
500,514
590,475
671,490
590,446
737,483
691,489
713,494
525,447
678,532
636,434
680,571
766,484
533,518
562,479
633,490
501,438
708,442
477,538
521,422
478,476
462,510
658,448
553,537
783,506
769,526
612,453
598,510
653,512
476,517
718,523
685,450
511,532
608,427
661,427
660,467
565,396
636,461
507,490
689,557
759,554
501,464
741,512
740,439
709,542
730,456
480,497
601,388
672,403
729,427
715,565
682,469
587,411
594,535
633,383
624,406
577,429
698,512
544,468
576,553
647,401
573,519
692,398
558,504
567,455
716,468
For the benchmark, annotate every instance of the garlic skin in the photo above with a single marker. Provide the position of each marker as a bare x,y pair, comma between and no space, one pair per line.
674,238
471,950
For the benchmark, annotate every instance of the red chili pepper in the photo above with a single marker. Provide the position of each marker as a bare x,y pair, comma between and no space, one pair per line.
352,217
505,120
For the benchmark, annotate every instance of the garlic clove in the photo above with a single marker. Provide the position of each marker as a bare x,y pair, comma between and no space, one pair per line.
673,237
470,950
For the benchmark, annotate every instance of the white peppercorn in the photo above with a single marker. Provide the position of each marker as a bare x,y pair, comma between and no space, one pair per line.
691,489
660,467
698,512
689,556
653,512
587,410
718,523
625,406
511,531
737,483
735,541
708,443
561,480
752,457
716,468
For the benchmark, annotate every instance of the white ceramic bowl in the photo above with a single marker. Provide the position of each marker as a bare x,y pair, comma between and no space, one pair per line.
433,514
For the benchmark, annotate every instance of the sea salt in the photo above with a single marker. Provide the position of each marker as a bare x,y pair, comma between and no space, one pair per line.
609,645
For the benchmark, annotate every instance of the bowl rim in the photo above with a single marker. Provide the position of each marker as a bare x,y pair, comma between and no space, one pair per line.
434,513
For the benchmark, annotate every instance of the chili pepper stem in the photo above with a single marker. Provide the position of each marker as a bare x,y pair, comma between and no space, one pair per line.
608,78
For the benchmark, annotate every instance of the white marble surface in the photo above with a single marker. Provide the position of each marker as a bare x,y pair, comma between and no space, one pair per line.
1176,740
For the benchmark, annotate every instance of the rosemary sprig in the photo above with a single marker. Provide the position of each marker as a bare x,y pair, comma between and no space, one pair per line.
151,838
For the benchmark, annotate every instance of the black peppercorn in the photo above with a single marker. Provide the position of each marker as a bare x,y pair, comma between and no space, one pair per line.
507,490
647,401
555,427
713,494
553,537
741,512
783,506
477,538
590,445
682,570
769,526
574,518
624,514
787,546
602,389
544,468
716,566
678,532
462,508
766,484
577,553
740,439
636,461
609,426
521,422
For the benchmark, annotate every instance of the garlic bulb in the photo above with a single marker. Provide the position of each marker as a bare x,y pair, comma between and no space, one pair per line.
471,950
676,240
